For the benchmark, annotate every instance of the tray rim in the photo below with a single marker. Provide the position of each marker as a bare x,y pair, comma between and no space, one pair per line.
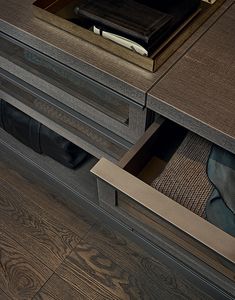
151,63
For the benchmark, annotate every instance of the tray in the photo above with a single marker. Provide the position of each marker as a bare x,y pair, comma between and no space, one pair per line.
56,12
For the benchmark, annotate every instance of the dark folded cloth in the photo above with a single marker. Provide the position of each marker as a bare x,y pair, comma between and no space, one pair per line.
218,213
60,149
220,209
148,23
38,137
20,125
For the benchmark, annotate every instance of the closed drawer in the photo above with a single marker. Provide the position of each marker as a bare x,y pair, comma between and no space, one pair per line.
83,132
91,99
124,190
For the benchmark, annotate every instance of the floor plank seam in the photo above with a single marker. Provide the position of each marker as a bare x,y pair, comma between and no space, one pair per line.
83,239
8,297
99,285
70,252
98,260
18,242
85,234
42,286
55,272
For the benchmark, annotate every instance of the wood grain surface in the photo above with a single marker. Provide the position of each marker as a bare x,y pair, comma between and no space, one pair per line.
153,280
84,96
116,73
21,274
43,257
199,91
38,232
87,266
3,296
58,289
79,181
46,200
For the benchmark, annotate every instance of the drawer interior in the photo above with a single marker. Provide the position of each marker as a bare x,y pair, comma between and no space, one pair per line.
147,159
168,162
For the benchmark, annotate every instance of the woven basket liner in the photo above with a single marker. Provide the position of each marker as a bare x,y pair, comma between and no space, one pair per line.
185,179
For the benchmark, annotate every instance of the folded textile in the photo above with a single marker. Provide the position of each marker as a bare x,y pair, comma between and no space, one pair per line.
38,137
221,172
219,214
60,149
220,209
184,179
20,125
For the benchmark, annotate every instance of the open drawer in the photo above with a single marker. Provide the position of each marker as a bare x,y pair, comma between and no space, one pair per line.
95,101
125,191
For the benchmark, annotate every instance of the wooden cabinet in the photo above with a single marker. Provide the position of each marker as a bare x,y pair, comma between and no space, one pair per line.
123,116
197,93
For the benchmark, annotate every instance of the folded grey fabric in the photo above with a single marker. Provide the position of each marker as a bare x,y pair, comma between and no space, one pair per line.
185,178
219,214
221,172
220,209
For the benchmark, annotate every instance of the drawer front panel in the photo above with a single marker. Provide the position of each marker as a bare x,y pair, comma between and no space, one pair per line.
138,203
80,93
81,131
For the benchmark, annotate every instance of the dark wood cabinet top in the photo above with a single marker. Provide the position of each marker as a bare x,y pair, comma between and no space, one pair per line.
199,90
18,21
194,87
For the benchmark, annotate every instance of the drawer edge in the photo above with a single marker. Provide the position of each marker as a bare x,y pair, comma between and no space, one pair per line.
167,209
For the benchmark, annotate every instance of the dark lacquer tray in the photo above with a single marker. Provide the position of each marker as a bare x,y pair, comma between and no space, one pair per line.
57,13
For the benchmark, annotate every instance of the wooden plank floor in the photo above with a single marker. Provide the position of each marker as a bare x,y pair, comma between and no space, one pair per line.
48,252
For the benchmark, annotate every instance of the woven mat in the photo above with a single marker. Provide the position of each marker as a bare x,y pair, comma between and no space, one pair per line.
185,179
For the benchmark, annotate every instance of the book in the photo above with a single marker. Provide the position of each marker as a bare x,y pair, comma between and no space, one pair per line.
126,18
141,25
121,41
209,1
